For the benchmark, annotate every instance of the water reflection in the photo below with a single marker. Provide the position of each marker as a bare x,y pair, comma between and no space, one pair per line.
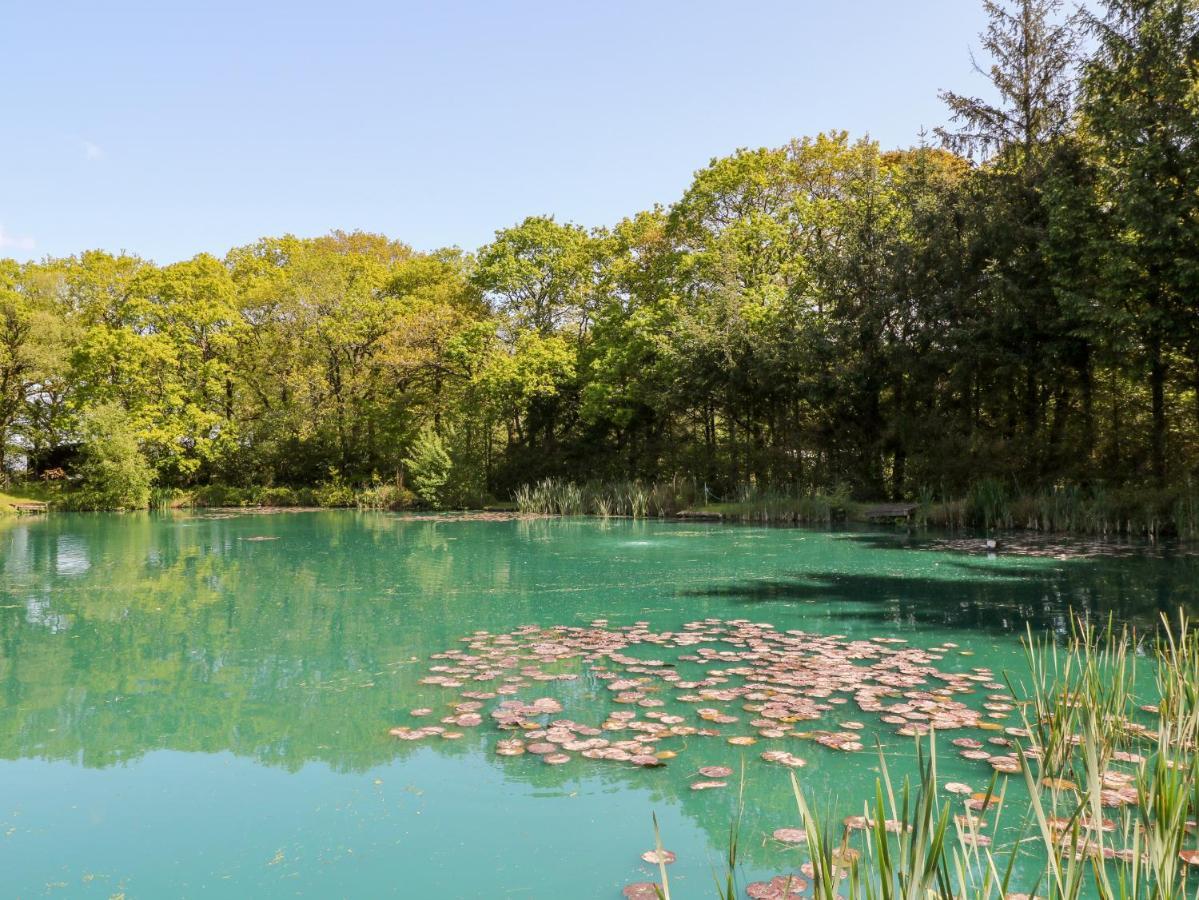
295,639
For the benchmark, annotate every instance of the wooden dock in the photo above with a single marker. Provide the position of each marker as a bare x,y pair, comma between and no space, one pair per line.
30,508
699,515
889,511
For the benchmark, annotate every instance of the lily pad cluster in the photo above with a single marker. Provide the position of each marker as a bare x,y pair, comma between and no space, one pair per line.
746,681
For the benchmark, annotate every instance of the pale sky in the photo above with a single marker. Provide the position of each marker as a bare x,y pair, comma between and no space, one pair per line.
169,128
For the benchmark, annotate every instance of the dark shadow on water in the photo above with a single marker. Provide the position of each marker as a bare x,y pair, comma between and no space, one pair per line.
976,595
1022,544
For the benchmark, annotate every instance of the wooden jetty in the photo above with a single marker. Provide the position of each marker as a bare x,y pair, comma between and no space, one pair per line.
30,507
889,511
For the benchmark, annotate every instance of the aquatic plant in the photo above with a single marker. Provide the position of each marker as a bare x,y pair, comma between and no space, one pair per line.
988,504
637,500
631,499
1080,717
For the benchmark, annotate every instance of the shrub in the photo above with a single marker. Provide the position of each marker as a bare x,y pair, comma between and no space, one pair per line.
215,495
386,496
114,474
277,496
429,466
334,492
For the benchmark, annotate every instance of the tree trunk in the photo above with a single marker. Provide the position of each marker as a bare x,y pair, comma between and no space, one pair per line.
1088,409
1157,388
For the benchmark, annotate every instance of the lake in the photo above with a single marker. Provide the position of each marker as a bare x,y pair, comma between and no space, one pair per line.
199,705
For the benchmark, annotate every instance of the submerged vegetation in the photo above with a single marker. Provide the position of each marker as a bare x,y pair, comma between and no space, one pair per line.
1003,323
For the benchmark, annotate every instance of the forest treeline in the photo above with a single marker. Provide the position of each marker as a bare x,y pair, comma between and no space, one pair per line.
1012,300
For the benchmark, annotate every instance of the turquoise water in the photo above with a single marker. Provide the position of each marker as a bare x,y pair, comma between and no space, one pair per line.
198,706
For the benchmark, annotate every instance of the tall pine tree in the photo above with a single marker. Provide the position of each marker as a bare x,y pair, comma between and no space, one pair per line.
1140,107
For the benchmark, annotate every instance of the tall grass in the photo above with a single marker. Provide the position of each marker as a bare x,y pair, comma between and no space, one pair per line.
1067,509
989,504
639,500
1090,745
632,499
163,498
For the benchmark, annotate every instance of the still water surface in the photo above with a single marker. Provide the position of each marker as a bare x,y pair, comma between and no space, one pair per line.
198,706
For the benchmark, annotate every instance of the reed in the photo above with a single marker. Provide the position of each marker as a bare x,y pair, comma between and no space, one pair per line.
1107,793
989,504
629,499
639,500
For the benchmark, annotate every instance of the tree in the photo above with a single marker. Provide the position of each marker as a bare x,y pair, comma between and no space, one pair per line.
113,473
541,275
1024,329
1140,110
1033,55
429,466
190,308
33,335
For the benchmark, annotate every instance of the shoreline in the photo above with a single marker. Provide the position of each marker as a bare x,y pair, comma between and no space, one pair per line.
1009,542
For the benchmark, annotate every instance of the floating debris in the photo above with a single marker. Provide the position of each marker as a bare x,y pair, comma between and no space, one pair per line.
781,887
659,857
643,890
662,694
784,758
790,835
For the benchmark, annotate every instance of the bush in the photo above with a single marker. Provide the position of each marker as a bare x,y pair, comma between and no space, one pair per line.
215,495
164,498
386,496
334,492
429,466
277,496
113,472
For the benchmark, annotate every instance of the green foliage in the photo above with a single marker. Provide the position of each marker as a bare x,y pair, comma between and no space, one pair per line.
541,275
113,474
1008,318
429,466
283,497
217,495
987,504
385,495
334,492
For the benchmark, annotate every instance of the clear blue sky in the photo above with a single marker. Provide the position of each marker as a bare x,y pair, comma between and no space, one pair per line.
168,128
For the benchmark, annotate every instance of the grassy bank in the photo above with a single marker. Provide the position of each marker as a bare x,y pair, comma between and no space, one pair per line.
989,505
331,495
14,496
1129,512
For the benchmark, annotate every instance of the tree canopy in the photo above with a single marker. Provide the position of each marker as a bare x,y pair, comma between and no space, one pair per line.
1016,304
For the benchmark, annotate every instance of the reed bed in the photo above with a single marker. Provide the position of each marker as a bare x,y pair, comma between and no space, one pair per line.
989,504
629,499
1066,509
1102,802
680,496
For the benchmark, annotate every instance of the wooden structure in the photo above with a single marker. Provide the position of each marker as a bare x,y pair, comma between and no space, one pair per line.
890,511
30,507
697,515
